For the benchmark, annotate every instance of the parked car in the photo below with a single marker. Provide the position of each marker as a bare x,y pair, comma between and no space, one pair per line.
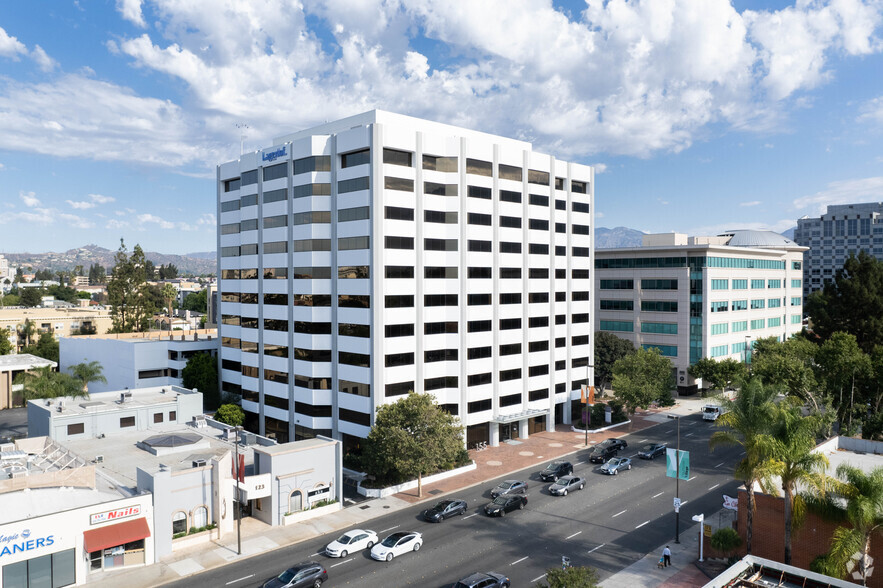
397,544
483,580
651,450
615,464
443,510
601,453
567,484
503,504
509,487
555,470
618,444
351,542
308,573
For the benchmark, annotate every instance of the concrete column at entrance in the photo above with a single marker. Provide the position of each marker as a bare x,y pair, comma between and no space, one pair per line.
522,429
567,420
495,435
550,421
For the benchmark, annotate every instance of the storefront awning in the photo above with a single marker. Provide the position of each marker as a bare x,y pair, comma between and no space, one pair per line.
519,416
118,534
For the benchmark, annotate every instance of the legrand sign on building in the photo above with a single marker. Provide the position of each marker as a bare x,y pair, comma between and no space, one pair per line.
112,515
272,155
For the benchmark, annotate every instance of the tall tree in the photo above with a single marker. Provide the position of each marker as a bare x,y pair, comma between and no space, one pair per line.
31,297
45,383
746,417
196,301
608,349
642,377
790,365
97,274
5,345
411,438
169,294
201,372
718,374
86,373
858,501
852,302
841,364
26,330
788,449
45,347
131,308
572,577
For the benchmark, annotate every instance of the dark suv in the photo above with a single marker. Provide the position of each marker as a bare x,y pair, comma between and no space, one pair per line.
304,574
556,470
601,453
483,580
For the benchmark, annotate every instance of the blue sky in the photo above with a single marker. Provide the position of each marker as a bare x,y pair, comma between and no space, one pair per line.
700,115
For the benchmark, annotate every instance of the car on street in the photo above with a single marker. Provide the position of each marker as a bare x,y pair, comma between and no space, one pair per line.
351,542
308,573
615,464
618,444
503,504
555,470
483,580
567,484
651,450
397,544
601,453
509,487
443,510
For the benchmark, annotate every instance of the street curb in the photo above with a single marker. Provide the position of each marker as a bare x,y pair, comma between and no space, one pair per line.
601,430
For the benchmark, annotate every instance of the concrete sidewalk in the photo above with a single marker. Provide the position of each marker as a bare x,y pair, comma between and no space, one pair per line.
491,463
646,573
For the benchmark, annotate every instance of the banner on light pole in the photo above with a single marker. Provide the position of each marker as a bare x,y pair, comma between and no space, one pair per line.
677,464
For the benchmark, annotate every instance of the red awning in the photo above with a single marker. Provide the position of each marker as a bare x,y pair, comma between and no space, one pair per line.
118,534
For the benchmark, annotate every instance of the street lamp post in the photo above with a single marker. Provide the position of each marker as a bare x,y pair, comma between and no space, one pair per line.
238,511
677,480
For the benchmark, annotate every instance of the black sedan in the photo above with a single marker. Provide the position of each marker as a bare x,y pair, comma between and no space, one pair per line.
503,504
651,450
615,443
308,573
443,510
601,453
555,470
483,580
509,487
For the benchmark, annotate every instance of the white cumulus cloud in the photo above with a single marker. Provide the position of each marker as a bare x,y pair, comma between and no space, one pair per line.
842,192
29,198
10,46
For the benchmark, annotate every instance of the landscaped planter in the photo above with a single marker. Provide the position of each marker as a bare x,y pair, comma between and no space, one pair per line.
306,515
575,430
196,539
390,490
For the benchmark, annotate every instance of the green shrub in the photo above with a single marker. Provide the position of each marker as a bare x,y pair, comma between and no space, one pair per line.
726,540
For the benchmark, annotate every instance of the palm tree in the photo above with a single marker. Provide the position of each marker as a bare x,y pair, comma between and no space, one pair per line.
87,373
169,293
44,383
746,417
858,500
26,330
790,457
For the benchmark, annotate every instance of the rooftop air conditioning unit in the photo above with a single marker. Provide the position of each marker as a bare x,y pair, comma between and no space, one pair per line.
198,463
18,474
99,459
248,438
199,420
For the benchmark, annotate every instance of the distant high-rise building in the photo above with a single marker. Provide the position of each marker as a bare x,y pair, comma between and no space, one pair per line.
843,229
378,254
695,297
4,269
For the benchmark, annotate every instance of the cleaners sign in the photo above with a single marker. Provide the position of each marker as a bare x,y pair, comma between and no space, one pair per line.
21,542
112,515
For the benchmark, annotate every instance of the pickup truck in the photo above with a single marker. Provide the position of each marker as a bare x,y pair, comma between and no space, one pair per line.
711,412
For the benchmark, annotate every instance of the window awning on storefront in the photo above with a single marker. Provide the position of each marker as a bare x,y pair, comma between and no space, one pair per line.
118,534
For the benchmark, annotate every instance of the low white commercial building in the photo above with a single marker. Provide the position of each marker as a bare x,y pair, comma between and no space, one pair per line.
701,296
138,359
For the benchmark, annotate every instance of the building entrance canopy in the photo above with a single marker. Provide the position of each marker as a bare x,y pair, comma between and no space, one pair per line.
519,416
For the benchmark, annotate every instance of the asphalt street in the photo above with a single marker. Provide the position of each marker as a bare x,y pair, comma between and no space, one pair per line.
609,525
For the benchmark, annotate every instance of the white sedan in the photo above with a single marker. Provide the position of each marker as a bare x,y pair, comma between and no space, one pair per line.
350,542
397,544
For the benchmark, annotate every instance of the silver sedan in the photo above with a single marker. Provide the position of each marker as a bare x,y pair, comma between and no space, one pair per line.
567,484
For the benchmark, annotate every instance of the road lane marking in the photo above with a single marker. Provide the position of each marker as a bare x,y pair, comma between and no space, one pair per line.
597,548
538,579
239,580
720,464
317,553
715,486
341,563
577,463
572,536
683,502
691,479
643,440
688,434
475,514
390,529
617,514
642,524
518,561
655,495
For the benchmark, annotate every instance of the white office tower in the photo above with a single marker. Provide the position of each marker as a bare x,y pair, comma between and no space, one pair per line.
378,254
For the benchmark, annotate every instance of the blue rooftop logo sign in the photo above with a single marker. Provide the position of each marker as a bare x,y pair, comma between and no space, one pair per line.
272,155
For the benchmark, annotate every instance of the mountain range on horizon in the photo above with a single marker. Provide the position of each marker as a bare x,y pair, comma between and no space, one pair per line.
204,262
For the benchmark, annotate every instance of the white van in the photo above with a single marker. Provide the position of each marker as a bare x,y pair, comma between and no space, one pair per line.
711,412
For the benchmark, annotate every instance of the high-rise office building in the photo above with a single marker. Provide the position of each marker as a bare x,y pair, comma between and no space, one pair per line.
378,254
694,297
843,229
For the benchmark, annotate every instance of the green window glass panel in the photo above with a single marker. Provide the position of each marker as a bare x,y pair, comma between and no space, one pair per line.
740,284
774,322
740,326
758,303
758,284
719,351
665,350
620,326
757,324
720,329
720,284
660,328
795,319
796,283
